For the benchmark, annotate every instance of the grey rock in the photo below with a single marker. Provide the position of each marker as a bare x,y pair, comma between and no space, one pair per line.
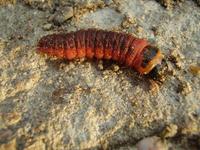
76,105
63,15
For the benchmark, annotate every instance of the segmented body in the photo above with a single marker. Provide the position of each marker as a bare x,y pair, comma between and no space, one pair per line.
100,44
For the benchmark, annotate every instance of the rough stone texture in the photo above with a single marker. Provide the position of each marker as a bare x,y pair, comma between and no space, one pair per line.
171,3
54,104
5,2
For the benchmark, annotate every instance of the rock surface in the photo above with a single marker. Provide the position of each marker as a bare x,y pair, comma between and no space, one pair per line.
47,103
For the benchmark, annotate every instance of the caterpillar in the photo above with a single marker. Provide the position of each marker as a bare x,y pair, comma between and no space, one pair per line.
101,44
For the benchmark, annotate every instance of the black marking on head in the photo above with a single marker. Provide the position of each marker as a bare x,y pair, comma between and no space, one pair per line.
148,54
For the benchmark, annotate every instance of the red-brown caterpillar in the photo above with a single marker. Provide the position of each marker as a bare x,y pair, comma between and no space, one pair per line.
121,47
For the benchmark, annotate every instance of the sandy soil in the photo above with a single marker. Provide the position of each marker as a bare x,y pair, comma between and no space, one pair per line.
47,103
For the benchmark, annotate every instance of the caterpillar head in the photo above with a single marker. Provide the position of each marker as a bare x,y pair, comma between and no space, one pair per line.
153,63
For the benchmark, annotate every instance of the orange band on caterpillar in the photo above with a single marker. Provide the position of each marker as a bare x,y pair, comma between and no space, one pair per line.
92,43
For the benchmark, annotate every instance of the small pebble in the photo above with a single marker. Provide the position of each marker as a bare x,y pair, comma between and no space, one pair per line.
100,65
62,16
67,13
195,70
151,143
177,58
47,27
169,131
115,68
128,21
184,87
